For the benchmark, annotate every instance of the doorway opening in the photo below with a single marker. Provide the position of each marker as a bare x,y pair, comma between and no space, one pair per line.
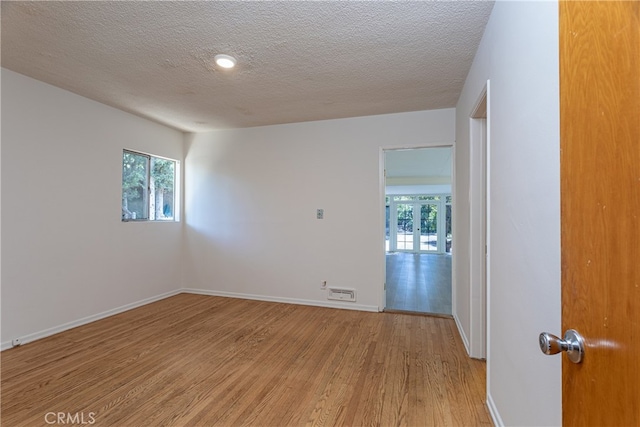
418,232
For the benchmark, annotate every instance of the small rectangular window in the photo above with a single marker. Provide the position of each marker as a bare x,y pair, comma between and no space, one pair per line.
148,187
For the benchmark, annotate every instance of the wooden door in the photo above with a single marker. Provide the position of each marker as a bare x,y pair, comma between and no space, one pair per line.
600,203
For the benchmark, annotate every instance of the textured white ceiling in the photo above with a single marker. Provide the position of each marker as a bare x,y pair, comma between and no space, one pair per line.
297,61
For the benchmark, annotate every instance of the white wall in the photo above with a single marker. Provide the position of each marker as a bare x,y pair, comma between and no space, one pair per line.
66,255
519,54
251,200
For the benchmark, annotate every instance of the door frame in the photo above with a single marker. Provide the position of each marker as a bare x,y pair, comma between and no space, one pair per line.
479,232
382,212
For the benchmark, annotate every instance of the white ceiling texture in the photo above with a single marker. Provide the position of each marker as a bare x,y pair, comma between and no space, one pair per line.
297,61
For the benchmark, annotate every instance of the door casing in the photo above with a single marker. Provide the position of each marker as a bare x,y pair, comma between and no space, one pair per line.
479,247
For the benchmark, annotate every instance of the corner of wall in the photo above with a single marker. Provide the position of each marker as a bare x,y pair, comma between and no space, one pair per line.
463,335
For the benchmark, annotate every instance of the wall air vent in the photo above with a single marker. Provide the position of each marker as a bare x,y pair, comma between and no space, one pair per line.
341,294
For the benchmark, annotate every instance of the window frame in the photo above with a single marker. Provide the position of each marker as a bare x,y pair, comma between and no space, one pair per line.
147,196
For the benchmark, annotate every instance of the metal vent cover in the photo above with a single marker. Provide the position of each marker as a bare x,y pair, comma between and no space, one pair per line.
341,294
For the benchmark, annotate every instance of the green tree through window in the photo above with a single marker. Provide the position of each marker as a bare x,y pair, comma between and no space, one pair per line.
148,187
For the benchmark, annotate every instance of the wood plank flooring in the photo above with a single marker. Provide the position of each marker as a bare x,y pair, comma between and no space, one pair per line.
419,283
210,361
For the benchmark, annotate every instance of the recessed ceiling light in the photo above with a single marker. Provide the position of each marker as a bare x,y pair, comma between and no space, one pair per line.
225,61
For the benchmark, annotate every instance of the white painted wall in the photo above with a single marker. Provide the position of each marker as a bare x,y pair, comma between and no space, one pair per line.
519,54
251,199
66,255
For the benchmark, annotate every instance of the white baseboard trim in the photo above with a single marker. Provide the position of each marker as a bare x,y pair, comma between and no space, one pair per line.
464,338
60,328
493,411
70,325
328,304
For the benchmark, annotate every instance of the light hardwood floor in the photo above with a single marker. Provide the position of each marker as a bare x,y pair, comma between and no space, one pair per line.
419,283
201,360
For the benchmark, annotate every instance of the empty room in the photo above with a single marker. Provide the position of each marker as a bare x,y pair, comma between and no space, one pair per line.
196,222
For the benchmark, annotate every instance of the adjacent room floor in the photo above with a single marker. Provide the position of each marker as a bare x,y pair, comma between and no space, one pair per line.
419,282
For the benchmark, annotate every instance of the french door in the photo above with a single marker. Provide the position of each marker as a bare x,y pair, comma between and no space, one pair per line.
417,224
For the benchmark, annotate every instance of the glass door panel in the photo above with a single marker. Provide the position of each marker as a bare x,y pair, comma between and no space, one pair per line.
404,235
428,227
419,224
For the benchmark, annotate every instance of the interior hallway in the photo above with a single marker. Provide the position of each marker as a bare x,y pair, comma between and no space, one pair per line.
419,282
